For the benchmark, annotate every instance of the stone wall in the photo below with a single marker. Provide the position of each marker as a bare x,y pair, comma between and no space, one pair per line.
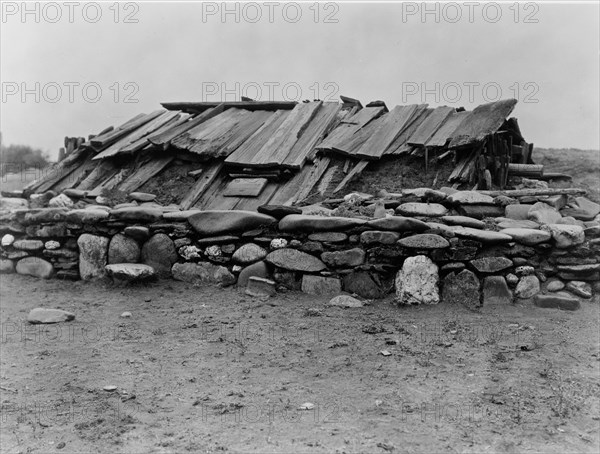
428,247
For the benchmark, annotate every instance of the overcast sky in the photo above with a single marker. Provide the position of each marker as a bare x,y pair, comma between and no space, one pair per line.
112,62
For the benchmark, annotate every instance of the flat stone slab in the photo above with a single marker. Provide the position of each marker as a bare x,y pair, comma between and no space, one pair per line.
139,214
142,196
527,287
398,224
464,221
578,288
308,222
483,236
469,198
345,301
36,267
543,213
491,264
130,272
293,260
580,269
278,211
529,237
217,240
328,237
260,287
28,245
349,258
249,253
179,216
87,215
424,241
422,209
379,237
505,223
321,285
220,222
557,301
41,315
496,291
463,288
43,215
564,235
517,212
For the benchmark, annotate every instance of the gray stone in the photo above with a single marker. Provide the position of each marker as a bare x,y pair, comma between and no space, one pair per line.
293,260
579,288
137,232
505,223
278,211
179,216
137,214
142,196
7,240
159,252
130,272
592,231
424,241
75,193
258,269
512,279
224,277
462,288
345,301
543,214
469,198
555,286
249,253
491,264
483,236
123,249
364,284
519,212
41,315
565,236
348,258
217,240
13,203
328,237
464,221
29,245
560,300
51,245
525,270
93,256
529,237
202,273
379,237
87,216
45,215
36,267
417,281
220,222
398,224
453,266
260,287
570,220
446,231
61,201
314,223
7,266
496,291
527,287
422,209
320,285
312,246
581,271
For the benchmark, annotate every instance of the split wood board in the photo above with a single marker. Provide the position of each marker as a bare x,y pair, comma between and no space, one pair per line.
104,170
350,126
204,181
399,145
245,187
199,107
248,150
444,133
318,169
143,142
164,138
58,171
134,136
395,121
101,142
279,145
76,176
145,173
429,126
252,203
356,170
288,191
357,140
483,120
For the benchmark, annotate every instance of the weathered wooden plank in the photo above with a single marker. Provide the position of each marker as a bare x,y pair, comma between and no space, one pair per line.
140,132
101,142
356,170
395,121
56,172
399,145
142,142
145,173
279,145
199,107
318,169
76,176
117,177
288,191
245,187
341,115
313,134
350,126
252,203
444,133
246,152
483,120
103,170
430,125
357,140
164,139
203,182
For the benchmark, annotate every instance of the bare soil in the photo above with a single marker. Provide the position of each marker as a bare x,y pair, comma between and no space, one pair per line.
204,369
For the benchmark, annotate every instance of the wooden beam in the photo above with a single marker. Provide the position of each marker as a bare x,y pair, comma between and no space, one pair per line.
199,107
201,185
356,170
534,192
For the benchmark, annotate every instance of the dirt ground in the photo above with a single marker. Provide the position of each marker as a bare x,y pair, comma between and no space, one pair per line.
204,369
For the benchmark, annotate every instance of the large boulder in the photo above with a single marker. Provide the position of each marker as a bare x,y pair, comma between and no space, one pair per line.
364,284
218,222
496,291
13,203
417,281
543,213
7,266
202,273
249,253
36,267
293,260
565,236
93,256
258,269
462,288
314,223
159,252
527,287
320,285
123,249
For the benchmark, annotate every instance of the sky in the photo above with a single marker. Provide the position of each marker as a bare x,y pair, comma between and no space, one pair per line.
74,68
